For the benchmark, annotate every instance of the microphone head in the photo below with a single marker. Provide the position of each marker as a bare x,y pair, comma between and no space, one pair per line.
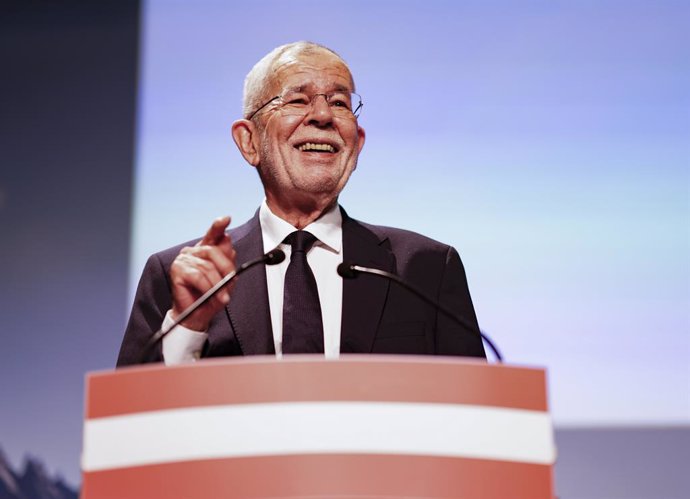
274,257
347,270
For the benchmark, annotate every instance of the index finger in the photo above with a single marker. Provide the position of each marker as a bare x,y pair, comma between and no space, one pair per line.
214,235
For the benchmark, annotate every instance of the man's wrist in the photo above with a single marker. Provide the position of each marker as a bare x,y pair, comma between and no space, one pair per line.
189,323
182,344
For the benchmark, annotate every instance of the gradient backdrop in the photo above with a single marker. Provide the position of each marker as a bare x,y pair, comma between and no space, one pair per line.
547,140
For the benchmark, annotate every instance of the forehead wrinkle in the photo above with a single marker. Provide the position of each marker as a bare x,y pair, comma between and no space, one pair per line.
321,83
290,61
305,87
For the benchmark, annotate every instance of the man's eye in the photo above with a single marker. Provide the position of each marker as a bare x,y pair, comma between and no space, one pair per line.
340,102
296,100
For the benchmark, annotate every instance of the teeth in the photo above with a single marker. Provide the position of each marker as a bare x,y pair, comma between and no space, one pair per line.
311,146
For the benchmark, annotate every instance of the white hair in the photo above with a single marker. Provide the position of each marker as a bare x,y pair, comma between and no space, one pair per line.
257,82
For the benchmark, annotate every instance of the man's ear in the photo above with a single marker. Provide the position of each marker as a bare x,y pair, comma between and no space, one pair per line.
361,135
245,135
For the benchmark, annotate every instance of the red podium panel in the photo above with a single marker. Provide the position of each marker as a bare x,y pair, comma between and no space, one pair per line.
303,426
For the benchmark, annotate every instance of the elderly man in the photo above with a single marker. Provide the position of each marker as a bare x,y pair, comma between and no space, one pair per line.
300,131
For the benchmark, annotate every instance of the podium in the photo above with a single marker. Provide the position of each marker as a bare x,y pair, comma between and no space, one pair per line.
361,426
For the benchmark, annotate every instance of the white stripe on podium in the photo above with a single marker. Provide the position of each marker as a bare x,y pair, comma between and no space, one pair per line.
318,427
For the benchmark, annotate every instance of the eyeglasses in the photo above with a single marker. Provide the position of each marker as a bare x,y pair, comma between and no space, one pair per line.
294,103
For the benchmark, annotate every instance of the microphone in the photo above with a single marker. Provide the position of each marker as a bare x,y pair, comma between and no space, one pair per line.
348,270
271,258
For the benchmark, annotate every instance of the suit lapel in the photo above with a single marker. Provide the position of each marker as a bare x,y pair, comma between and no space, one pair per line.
364,296
248,309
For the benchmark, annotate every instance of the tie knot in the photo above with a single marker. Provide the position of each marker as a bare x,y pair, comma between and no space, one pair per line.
301,240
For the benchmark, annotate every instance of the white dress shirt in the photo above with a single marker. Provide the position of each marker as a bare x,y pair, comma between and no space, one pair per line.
184,345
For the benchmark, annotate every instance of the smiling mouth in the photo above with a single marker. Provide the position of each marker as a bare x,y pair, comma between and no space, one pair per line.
316,147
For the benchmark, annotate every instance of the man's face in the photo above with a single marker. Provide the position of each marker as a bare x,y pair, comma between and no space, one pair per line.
291,173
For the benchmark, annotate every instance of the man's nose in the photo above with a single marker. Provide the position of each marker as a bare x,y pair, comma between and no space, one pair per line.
320,112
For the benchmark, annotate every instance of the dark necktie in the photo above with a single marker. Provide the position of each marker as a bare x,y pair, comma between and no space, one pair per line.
302,324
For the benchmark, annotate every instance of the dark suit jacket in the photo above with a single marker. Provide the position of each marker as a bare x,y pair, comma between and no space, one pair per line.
378,316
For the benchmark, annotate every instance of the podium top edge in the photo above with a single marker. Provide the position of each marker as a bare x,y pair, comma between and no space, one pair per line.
356,359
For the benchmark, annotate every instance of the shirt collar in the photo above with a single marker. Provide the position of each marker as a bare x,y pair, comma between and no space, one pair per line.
328,228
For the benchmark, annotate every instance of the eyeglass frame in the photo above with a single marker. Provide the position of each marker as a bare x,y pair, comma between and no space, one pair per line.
355,112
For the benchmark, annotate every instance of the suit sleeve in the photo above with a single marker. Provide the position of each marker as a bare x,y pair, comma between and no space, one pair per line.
151,302
451,338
